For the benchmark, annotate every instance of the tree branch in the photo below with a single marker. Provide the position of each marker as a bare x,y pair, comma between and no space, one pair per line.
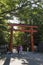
13,10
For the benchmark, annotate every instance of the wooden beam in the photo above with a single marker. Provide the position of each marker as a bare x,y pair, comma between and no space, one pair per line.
11,39
22,25
25,30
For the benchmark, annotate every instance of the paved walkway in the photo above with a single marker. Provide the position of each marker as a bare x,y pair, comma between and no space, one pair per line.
26,58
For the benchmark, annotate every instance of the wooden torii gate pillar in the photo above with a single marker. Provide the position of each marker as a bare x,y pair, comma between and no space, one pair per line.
32,38
11,39
31,31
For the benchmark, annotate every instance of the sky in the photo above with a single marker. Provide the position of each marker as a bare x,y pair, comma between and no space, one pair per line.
15,20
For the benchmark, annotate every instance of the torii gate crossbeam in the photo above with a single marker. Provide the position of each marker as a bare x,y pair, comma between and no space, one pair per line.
31,31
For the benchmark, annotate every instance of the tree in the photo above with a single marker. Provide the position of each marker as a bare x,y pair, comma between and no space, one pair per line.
28,12
3,32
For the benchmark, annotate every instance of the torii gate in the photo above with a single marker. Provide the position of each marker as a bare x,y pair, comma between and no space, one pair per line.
31,31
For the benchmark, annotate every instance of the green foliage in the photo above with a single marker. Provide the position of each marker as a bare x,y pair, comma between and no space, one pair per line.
33,15
3,32
17,38
27,11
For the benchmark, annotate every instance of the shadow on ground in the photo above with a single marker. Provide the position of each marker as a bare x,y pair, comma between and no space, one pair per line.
23,59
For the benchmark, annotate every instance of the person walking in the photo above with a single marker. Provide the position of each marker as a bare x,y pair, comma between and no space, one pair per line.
21,49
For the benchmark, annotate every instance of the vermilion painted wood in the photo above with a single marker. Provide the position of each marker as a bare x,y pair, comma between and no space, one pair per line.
31,31
11,37
22,25
25,30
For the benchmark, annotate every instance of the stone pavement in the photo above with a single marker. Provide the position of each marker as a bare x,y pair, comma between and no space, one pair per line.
26,58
